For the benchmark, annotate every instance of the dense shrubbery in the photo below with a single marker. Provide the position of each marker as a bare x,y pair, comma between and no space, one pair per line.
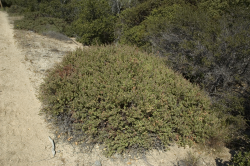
129,27
36,22
212,53
89,21
95,24
15,10
126,99
241,159
207,42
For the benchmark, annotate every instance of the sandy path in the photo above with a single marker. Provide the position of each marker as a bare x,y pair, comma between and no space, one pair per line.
23,133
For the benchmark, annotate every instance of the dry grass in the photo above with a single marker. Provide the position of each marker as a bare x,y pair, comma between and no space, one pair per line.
56,35
191,160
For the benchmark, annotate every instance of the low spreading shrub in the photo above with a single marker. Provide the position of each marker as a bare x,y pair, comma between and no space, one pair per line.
39,23
15,10
241,159
126,100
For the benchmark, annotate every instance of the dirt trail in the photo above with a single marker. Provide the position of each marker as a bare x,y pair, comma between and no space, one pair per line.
24,57
23,133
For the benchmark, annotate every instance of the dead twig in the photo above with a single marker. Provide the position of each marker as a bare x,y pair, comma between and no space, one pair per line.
1,4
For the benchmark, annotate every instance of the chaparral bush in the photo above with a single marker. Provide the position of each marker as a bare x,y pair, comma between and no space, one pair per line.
37,22
14,10
241,159
125,99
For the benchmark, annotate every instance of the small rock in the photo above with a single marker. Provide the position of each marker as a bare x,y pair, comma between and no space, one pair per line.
97,163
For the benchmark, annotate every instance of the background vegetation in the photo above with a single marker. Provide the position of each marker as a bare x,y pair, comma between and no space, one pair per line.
207,41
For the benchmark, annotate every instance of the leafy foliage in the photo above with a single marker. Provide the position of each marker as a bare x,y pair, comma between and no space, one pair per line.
36,22
15,10
67,10
130,31
126,99
212,53
89,21
241,159
27,5
95,23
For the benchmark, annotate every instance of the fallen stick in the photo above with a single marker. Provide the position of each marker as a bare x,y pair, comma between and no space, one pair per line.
53,146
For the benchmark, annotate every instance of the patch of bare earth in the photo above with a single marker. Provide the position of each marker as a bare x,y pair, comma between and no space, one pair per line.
24,58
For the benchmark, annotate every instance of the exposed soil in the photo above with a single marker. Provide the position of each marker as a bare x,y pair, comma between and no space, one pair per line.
24,58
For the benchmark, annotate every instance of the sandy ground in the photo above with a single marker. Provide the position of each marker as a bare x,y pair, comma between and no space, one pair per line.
24,58
24,135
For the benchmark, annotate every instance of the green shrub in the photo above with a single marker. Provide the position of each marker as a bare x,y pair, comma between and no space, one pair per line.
95,23
20,6
36,22
208,50
15,10
67,9
241,159
129,27
126,100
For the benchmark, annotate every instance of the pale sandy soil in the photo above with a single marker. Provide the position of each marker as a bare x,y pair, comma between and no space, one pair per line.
24,58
